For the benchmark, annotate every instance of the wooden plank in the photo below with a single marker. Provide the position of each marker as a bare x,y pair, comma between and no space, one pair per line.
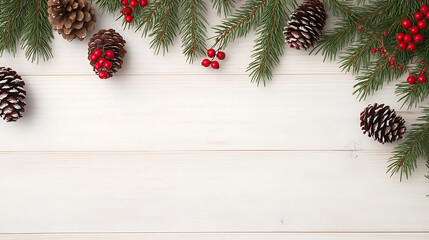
160,112
70,58
221,236
208,192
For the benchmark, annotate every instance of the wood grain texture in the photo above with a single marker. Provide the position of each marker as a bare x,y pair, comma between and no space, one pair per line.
220,236
207,192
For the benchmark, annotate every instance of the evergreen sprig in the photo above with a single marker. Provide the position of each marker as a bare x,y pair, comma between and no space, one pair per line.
25,23
415,146
224,7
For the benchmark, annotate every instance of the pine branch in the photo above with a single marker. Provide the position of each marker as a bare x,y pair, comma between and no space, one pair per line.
270,44
12,14
111,6
414,147
340,8
224,7
193,28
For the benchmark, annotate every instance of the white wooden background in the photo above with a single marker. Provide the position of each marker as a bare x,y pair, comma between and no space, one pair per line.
167,150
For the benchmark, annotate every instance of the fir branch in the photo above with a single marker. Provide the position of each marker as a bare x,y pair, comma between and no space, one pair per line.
12,14
343,8
415,146
269,46
111,6
224,7
193,28
239,25
412,95
166,26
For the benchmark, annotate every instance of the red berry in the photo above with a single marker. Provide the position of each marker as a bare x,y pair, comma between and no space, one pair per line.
94,57
103,74
422,62
360,27
392,66
422,24
411,47
402,46
143,3
215,65
98,52
123,12
97,66
383,54
128,10
421,78
102,60
129,18
400,37
206,62
124,3
373,50
109,54
418,38
221,55
414,30
411,79
399,67
134,3
384,33
211,52
418,16
427,15
406,23
425,69
407,38
424,9
108,65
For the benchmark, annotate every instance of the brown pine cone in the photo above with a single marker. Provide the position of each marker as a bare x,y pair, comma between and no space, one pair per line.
107,40
382,123
305,25
72,18
12,95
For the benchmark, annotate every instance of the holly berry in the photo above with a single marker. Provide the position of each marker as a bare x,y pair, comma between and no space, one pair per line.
418,38
418,16
127,11
124,3
215,64
211,52
360,27
134,3
103,74
97,66
129,18
102,60
425,69
109,54
406,23
383,54
402,46
421,78
98,52
94,57
411,79
221,55
206,62
399,67
427,15
407,38
422,24
123,12
414,30
392,66
143,3
411,47
400,37
424,9
108,65
422,62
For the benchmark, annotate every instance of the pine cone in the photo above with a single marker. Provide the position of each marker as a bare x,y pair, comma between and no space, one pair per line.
72,18
12,95
305,25
106,40
382,123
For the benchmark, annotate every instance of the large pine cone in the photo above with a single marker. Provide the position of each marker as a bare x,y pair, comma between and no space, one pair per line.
72,18
106,40
305,25
12,95
382,123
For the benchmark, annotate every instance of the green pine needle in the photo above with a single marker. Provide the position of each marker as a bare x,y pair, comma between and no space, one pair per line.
224,7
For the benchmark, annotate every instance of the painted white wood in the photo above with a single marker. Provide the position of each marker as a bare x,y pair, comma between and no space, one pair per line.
208,192
221,236
190,112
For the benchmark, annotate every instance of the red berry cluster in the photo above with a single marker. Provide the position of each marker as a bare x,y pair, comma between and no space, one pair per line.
421,78
406,39
211,53
102,64
128,10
